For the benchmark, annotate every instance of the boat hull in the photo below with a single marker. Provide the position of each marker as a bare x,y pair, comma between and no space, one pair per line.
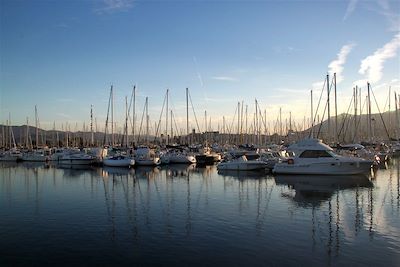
326,168
119,162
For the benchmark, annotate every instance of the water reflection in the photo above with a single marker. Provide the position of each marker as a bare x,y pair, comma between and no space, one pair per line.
315,188
181,210
242,174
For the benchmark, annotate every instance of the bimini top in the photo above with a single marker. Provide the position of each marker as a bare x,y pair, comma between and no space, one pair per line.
308,144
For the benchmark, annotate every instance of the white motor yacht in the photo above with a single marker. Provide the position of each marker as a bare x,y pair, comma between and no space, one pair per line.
311,156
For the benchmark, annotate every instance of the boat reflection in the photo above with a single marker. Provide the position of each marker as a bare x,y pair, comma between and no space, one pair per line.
176,170
117,171
75,170
243,174
318,188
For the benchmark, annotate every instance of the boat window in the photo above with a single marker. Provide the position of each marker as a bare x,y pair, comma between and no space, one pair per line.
315,154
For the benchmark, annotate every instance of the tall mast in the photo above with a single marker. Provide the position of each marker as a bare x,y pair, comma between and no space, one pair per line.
336,117
27,133
172,130
280,122
238,125
147,120
397,115
256,123
187,114
112,116
91,126
37,129
166,121
126,123
312,117
390,126
369,114
134,112
355,112
329,107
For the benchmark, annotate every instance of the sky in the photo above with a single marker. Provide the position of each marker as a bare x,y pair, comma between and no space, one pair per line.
63,57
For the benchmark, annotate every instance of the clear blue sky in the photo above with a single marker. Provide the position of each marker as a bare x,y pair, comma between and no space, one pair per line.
63,55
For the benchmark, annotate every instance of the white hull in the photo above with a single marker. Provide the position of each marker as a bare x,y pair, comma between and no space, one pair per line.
324,168
127,162
147,162
77,159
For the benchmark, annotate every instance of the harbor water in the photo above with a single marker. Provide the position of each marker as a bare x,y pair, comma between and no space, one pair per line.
194,216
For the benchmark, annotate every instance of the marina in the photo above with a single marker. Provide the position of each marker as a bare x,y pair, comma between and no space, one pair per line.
199,133
178,214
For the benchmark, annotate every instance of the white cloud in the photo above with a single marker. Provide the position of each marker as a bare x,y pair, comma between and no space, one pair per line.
336,66
225,78
110,6
372,66
350,9
392,17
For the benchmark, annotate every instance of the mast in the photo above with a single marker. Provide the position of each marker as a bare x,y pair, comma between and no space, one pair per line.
369,114
112,116
37,130
355,113
389,110
205,127
166,121
172,130
27,133
280,122
238,125
91,126
126,123
187,114
134,112
329,107
336,117
312,117
396,101
147,120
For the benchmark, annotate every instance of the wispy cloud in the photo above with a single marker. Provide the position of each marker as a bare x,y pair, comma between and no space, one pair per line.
350,9
372,66
198,72
336,66
225,78
112,6
392,17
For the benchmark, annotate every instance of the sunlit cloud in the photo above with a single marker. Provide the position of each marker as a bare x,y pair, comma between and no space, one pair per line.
372,66
336,66
350,9
111,6
225,78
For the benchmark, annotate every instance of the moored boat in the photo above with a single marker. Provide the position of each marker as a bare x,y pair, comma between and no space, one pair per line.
311,156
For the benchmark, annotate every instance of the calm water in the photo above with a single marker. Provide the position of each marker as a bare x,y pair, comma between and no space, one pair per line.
184,215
